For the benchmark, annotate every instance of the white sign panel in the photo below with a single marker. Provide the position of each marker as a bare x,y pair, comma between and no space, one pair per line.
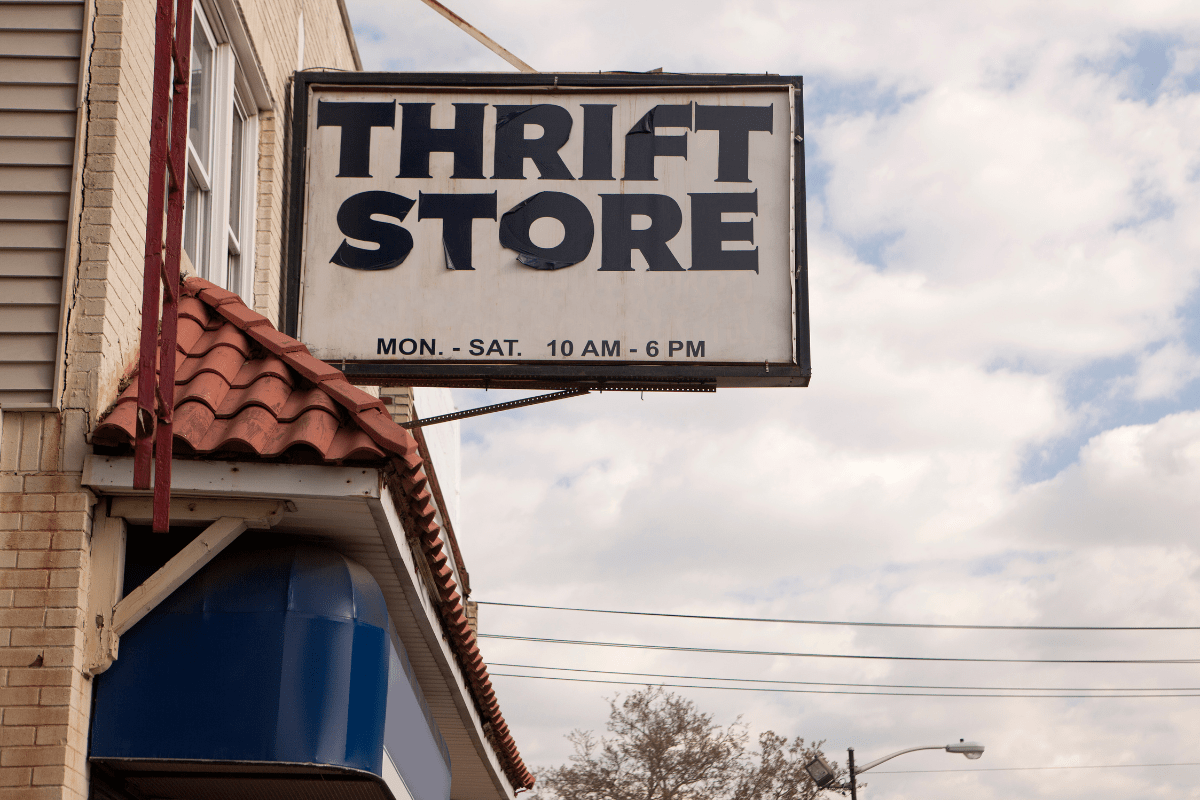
476,232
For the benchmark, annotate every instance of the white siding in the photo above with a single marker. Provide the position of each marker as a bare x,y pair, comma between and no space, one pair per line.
40,44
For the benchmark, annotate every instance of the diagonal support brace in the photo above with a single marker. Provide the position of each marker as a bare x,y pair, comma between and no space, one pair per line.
475,412
186,563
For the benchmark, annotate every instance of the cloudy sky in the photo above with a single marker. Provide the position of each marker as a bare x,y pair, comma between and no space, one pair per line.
1002,426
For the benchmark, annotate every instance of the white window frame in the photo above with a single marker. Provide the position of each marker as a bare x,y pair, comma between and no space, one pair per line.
218,239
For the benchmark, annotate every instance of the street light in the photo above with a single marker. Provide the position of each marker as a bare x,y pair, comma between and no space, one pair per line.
822,774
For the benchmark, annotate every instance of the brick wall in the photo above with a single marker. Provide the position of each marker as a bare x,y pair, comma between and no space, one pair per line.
45,519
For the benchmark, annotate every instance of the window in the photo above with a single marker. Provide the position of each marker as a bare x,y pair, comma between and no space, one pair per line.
218,221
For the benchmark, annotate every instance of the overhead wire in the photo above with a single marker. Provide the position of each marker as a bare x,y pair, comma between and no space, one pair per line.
930,625
855,685
856,656
842,691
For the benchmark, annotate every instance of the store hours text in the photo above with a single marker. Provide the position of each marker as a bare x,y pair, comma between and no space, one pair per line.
555,348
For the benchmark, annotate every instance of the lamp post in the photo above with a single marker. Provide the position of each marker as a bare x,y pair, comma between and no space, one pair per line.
823,775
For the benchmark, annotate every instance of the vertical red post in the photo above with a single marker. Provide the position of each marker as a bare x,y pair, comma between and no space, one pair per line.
168,186
152,269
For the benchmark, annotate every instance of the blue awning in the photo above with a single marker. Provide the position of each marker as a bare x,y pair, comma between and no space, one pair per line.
274,654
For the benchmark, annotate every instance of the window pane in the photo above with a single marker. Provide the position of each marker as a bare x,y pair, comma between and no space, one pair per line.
234,274
235,173
195,225
200,94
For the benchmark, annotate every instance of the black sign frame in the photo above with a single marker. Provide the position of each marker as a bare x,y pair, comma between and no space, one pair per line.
601,375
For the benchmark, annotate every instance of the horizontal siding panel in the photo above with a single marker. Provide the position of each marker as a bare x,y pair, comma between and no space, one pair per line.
38,124
48,98
30,291
18,399
35,179
29,319
52,152
39,70
32,263
28,347
44,207
63,44
20,377
37,235
42,16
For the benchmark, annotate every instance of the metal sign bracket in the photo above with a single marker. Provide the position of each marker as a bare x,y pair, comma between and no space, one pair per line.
475,412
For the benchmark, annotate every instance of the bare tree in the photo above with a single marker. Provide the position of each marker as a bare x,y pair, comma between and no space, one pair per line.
663,748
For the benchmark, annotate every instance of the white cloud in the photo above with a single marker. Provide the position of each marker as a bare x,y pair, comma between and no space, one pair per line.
1163,372
1035,220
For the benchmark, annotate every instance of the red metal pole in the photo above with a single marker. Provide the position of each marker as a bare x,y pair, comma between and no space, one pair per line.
170,317
168,187
152,271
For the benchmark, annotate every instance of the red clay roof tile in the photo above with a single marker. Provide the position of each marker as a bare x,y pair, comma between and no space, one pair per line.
216,296
242,316
188,333
276,342
313,368
225,335
269,366
223,360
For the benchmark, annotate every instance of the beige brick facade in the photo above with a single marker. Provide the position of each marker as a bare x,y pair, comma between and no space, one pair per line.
45,525
45,514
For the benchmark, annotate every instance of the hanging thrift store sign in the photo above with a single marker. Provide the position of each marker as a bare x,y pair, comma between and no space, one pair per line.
608,231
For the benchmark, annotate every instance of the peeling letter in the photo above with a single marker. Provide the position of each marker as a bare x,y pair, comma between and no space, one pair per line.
355,221
578,230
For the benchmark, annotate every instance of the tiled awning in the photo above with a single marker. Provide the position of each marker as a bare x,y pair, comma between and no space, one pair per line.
244,390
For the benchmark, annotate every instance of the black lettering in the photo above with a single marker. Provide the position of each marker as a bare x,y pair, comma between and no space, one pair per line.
512,148
510,343
674,347
597,142
652,349
578,230
619,239
356,121
464,140
733,125
456,211
590,347
354,219
567,347
409,348
495,347
696,350
385,347
476,347
642,144
709,231
431,345
611,349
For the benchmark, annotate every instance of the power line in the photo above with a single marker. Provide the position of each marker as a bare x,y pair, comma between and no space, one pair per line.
861,685
1032,769
679,649
833,691
852,624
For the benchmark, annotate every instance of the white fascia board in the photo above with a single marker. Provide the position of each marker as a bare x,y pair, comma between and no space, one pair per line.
390,527
114,475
